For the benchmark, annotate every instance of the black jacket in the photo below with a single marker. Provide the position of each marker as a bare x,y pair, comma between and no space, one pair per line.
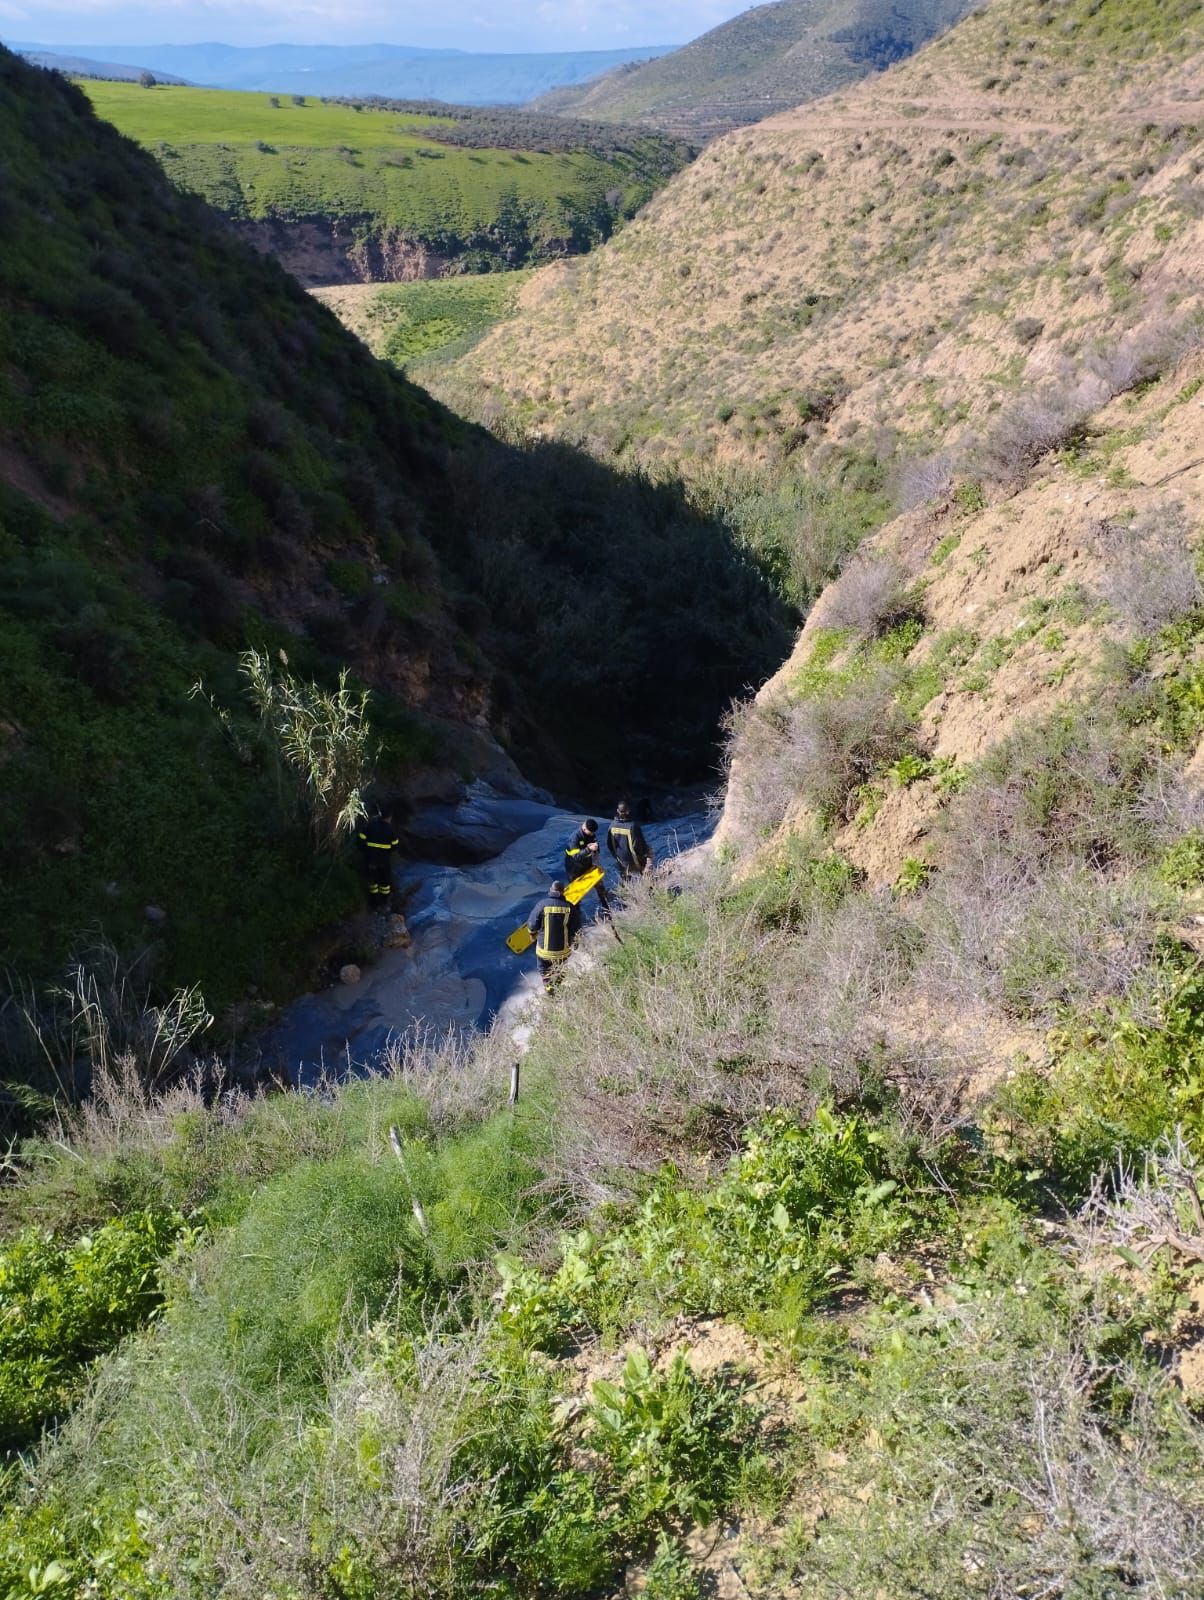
579,857
625,841
376,837
554,924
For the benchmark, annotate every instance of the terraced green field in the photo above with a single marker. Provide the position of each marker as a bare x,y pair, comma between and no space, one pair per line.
261,157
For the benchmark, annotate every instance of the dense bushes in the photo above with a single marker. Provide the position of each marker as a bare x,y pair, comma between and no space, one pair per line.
64,1303
504,128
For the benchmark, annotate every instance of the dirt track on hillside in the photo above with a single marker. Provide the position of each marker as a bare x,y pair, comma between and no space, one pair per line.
980,120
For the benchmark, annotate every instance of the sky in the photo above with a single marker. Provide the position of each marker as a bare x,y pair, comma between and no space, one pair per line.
462,24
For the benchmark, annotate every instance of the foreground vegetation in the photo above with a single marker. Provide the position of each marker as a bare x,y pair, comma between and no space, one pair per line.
416,176
528,1349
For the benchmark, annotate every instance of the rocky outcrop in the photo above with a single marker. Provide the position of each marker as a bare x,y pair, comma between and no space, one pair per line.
320,251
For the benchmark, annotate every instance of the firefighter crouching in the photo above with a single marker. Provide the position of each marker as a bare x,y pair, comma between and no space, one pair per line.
581,855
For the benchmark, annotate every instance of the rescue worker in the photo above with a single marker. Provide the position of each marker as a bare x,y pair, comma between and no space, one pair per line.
377,840
582,854
554,924
626,842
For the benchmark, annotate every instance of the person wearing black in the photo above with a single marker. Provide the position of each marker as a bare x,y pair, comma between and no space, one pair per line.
377,841
554,925
582,854
626,842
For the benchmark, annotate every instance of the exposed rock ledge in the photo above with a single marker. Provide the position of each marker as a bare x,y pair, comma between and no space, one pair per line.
320,251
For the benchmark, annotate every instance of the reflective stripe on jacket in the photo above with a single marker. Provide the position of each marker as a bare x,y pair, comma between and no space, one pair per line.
627,844
374,833
554,933
553,925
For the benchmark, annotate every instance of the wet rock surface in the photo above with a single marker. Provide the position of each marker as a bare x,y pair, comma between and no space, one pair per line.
456,974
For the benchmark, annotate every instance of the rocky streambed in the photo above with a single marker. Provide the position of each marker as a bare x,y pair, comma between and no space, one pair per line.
457,973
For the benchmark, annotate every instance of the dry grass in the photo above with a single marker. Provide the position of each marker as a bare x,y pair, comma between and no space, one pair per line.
1149,569
872,595
969,267
817,753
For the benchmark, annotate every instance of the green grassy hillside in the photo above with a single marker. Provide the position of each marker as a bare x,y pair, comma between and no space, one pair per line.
374,173
416,325
196,458
766,59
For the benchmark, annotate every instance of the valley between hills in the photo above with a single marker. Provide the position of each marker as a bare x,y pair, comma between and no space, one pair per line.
838,1226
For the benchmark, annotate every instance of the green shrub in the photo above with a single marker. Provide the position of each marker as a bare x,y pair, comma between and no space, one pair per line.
1116,1083
787,891
789,1217
63,1304
674,1442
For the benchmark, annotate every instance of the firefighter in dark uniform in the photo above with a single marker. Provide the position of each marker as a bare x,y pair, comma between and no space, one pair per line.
582,854
626,842
377,839
554,924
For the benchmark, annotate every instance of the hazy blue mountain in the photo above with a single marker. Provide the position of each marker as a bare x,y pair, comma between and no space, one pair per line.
397,71
84,67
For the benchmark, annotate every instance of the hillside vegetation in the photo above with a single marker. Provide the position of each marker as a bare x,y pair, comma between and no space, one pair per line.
768,58
846,1235
343,191
892,269
196,459
415,324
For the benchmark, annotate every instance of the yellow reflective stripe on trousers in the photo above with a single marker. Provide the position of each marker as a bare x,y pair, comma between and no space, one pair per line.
542,949
372,845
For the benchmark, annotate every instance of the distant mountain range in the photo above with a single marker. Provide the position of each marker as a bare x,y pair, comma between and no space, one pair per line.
397,71
84,67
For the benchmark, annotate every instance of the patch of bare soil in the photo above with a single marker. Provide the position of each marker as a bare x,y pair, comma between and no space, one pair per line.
20,473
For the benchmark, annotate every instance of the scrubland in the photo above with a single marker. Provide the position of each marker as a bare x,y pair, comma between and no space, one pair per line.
847,1233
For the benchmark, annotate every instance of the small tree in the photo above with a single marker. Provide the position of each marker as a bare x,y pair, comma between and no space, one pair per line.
322,737
274,101
147,80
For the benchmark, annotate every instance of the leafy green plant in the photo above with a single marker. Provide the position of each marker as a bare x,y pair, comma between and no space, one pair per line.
674,1441
63,1304
671,1575
790,1216
913,875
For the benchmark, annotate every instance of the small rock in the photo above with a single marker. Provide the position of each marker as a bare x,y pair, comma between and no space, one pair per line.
397,935
350,974
155,914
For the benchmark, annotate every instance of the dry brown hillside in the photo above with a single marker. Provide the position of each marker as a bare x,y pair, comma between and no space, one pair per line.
1017,609
895,269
